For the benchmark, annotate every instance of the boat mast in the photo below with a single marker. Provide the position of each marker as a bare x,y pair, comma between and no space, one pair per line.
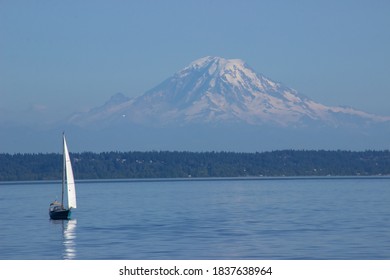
63,170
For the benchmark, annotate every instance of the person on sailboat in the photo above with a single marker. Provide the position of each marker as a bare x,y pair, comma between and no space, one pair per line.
55,202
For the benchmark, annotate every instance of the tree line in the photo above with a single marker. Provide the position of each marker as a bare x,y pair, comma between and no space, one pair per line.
175,164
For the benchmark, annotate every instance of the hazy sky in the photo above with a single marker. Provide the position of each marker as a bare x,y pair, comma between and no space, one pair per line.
62,56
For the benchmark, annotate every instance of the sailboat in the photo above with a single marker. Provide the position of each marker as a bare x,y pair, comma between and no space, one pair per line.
57,211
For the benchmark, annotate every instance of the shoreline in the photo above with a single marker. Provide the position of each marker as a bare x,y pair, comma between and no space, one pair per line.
199,179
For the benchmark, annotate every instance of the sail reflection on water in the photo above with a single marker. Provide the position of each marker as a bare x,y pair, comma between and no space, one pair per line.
69,241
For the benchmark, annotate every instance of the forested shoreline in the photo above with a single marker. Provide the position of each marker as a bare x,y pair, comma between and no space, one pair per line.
166,164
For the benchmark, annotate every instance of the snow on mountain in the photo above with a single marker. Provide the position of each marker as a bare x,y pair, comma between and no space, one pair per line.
218,90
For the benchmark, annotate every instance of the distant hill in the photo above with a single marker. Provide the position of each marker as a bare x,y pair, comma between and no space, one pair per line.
117,165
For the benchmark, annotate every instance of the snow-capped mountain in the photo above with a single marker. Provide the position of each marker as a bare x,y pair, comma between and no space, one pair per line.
218,90
213,104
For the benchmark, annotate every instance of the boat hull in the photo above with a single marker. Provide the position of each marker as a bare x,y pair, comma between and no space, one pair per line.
63,214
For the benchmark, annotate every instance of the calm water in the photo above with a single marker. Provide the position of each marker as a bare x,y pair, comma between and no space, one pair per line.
259,219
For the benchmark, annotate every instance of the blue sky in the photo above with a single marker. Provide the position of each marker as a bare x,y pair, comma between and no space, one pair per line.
59,57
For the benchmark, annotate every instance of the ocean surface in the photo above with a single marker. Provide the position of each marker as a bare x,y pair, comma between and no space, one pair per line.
206,219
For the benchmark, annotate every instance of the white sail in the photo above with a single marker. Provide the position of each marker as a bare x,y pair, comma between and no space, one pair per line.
70,186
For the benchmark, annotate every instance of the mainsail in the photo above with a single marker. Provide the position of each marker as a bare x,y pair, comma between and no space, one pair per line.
70,186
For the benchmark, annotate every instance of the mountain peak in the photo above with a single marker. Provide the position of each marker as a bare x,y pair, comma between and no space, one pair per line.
117,98
213,89
214,64
207,61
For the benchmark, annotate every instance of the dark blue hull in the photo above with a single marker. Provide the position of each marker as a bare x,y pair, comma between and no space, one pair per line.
60,214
